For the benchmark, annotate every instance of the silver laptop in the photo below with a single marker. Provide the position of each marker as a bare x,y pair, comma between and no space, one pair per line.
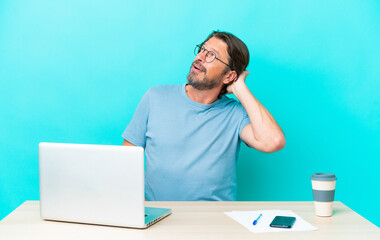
95,184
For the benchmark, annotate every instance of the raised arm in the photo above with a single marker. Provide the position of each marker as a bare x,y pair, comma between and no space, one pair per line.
263,133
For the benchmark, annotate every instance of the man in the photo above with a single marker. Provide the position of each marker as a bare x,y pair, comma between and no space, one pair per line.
192,132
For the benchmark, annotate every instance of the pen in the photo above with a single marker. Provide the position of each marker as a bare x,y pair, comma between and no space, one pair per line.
255,222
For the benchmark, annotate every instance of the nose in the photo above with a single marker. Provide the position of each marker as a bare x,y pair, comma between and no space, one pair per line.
201,56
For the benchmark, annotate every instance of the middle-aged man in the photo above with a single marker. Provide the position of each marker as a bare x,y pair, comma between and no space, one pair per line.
192,132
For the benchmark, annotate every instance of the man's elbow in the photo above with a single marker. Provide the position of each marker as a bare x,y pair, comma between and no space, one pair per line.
278,143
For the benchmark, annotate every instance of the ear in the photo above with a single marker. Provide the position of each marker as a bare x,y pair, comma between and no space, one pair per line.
231,77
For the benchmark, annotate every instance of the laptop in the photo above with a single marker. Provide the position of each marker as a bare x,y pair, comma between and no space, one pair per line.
95,184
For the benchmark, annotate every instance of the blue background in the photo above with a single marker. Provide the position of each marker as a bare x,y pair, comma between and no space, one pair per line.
74,71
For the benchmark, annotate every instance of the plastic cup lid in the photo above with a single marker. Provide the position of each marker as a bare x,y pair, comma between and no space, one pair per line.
323,177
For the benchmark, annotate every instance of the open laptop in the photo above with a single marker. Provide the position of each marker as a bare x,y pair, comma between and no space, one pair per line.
95,184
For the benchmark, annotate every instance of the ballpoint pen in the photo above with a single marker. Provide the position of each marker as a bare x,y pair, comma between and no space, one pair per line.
255,222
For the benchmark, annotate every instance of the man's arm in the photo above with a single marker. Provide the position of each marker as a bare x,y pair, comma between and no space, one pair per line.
263,133
126,143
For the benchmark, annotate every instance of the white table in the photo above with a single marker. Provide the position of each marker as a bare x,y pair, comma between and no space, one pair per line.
192,220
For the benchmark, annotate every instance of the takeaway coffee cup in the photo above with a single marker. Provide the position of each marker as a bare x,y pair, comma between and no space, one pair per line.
323,192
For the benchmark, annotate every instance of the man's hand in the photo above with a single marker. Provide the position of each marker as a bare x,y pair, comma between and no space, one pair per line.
241,80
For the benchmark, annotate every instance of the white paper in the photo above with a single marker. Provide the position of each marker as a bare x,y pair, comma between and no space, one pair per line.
246,219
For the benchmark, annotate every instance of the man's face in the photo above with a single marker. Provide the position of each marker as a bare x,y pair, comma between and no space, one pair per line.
204,75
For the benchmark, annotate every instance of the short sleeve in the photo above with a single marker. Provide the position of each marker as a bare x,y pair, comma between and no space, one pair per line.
244,122
135,132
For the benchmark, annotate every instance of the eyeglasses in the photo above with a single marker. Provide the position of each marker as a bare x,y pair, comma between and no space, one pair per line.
210,55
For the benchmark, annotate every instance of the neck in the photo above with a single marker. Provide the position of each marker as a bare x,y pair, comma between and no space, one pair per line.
202,96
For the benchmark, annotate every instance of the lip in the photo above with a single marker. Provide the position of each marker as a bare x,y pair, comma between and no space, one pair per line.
196,68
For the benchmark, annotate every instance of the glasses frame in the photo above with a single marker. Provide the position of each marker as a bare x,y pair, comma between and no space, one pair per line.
199,46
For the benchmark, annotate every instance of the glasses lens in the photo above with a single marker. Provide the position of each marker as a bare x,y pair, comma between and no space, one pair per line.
210,56
196,50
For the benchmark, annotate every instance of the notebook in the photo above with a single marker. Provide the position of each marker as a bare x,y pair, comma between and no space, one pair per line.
95,184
